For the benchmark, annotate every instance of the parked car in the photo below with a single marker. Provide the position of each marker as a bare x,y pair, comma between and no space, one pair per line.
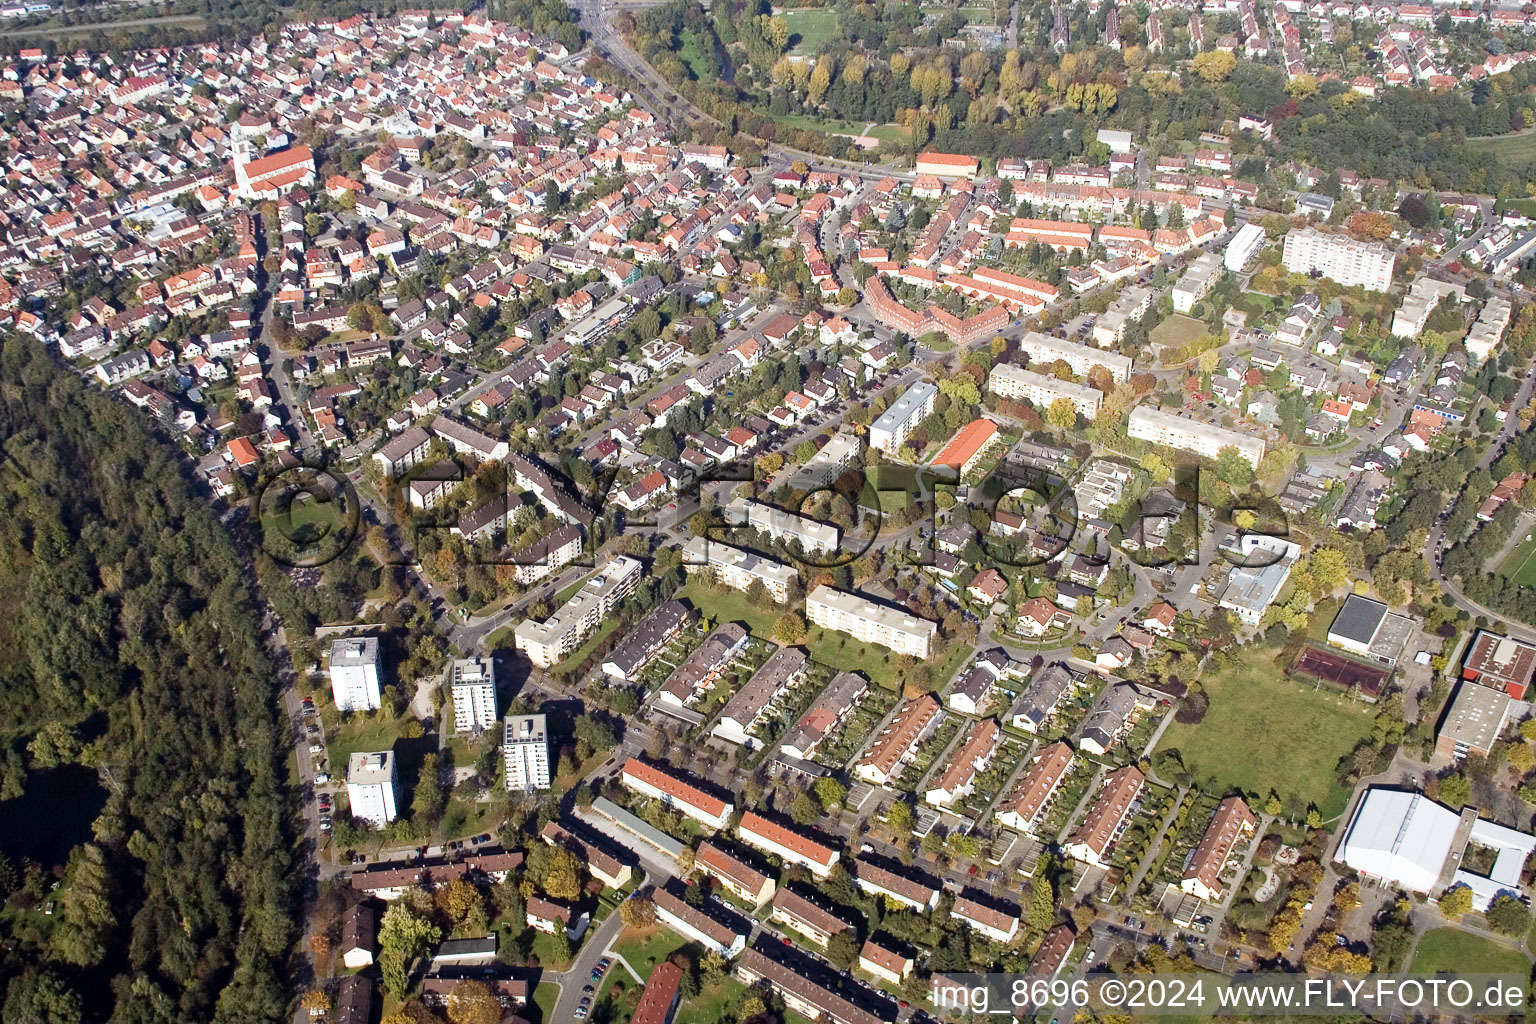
322,778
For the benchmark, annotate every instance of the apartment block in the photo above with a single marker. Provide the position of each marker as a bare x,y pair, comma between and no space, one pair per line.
472,683
892,427
525,753
371,786
1017,383
675,790
355,673
547,642
738,568
1339,258
786,844
870,622
1204,439
1043,351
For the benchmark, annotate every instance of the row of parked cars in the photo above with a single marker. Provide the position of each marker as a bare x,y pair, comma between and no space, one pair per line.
317,751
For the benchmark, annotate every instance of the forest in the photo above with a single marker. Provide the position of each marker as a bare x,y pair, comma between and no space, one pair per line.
135,653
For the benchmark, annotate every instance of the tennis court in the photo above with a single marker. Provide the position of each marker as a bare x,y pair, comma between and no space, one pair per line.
1339,670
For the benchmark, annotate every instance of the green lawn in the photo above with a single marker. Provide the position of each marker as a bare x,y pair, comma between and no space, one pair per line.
691,55
1512,149
810,27
713,1004
1449,949
1520,566
835,650
545,996
1266,732
644,948
1177,331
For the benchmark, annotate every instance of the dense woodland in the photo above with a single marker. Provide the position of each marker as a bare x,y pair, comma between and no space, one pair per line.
133,648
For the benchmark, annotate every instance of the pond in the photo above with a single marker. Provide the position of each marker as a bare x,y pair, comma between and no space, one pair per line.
53,816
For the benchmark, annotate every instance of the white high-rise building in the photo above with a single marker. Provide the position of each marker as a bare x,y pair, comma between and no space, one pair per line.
547,642
525,751
893,426
355,673
371,786
1339,258
473,684
881,624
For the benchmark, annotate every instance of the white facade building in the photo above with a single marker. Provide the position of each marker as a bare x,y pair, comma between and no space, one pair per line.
1204,439
547,642
892,428
1243,247
473,685
1009,381
525,752
371,786
355,673
1043,351
870,622
1339,258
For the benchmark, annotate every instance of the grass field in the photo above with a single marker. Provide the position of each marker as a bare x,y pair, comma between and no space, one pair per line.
810,27
1448,949
644,948
691,55
1515,149
1520,566
835,650
545,997
1177,331
1281,723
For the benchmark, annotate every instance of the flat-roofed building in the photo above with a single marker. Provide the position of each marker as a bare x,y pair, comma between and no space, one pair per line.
788,845
1099,830
736,875
1339,258
1036,790
1204,439
892,427
472,683
782,525
1231,823
1250,589
547,642
738,568
1043,350
1504,662
371,786
354,670
1017,383
1474,721
525,753
890,750
674,790
869,622
783,669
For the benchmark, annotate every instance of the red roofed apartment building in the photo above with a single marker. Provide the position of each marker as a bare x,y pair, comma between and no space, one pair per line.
791,847
272,175
659,999
968,446
675,791
947,165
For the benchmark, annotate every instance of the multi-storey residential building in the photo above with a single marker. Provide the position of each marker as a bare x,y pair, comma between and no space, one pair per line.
870,622
738,568
355,673
472,682
963,452
1015,382
1197,282
1043,351
782,525
832,706
920,894
1339,258
371,786
547,642
676,791
957,781
892,427
1204,439
788,845
782,670
1243,246
525,753
736,875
